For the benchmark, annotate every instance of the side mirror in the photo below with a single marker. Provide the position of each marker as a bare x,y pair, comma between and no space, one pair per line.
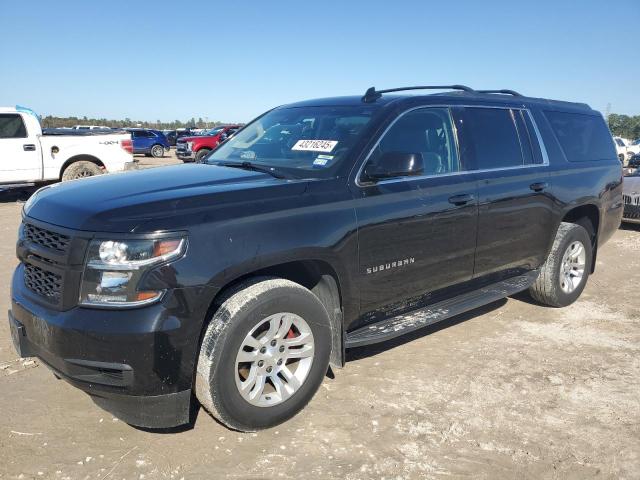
395,164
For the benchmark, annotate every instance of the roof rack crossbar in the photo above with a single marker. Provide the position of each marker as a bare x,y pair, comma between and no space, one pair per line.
503,91
372,94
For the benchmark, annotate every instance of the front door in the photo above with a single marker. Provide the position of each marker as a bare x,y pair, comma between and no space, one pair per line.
20,155
416,234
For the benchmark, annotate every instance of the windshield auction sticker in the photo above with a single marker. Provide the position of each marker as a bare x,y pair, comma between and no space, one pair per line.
315,145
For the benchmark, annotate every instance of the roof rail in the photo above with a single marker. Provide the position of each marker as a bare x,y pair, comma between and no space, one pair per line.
372,94
503,91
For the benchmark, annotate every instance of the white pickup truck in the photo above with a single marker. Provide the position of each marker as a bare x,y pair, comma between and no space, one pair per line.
29,156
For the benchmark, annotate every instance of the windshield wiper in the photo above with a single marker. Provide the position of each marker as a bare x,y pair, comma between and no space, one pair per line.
254,167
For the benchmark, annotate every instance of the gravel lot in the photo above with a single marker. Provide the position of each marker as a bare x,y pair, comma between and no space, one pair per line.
512,390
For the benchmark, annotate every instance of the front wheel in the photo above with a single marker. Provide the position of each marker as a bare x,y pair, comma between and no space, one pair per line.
564,275
264,354
81,169
157,151
201,154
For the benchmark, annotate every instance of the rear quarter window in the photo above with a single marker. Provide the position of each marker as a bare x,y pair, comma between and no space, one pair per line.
583,138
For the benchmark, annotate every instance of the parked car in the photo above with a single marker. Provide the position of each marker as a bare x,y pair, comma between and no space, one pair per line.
634,147
29,155
194,148
355,220
150,142
621,148
634,161
90,127
631,198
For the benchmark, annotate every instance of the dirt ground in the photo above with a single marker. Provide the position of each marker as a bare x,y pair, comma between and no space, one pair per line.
512,390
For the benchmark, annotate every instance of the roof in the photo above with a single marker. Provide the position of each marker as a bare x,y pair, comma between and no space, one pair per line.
454,97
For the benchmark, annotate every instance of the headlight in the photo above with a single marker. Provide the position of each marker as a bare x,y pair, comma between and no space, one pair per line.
114,269
189,145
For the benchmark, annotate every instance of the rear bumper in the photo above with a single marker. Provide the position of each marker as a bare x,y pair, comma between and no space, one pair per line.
137,364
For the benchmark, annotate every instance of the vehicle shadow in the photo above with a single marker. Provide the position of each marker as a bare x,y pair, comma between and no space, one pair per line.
365,351
17,195
630,227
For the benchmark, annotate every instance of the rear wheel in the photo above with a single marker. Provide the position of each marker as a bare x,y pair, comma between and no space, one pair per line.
564,275
264,354
81,169
201,154
157,151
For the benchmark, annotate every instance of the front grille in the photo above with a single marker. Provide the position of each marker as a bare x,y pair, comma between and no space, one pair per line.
47,284
46,238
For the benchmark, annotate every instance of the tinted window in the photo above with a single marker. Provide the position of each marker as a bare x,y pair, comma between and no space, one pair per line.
307,142
12,126
426,131
582,137
488,138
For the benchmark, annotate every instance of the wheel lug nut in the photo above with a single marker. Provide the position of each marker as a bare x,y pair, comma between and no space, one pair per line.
281,348
273,343
279,361
260,363
269,369
263,350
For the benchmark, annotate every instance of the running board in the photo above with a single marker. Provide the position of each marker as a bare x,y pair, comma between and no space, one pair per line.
420,318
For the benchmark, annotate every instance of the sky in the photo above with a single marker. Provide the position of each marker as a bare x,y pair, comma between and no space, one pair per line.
230,61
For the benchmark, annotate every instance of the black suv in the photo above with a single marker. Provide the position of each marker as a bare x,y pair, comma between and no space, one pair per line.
322,225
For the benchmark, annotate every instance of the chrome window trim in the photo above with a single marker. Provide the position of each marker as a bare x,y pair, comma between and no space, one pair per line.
543,149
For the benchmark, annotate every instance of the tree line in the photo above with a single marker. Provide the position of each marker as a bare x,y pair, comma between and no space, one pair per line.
51,121
624,126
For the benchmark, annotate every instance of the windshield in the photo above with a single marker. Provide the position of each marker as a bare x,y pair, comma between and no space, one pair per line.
303,141
213,131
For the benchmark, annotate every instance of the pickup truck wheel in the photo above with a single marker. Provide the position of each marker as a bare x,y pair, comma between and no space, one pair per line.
201,154
264,354
81,169
157,151
564,275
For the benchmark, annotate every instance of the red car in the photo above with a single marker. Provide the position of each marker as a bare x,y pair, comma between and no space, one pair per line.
193,149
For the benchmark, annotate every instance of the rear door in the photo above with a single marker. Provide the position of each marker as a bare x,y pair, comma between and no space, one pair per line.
514,187
20,155
416,234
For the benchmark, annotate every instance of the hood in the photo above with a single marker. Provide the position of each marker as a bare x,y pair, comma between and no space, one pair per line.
154,199
631,185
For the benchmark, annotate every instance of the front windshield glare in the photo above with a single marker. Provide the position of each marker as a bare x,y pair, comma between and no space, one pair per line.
305,141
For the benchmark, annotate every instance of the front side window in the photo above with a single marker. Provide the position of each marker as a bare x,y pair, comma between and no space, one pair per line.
305,142
12,126
488,138
427,132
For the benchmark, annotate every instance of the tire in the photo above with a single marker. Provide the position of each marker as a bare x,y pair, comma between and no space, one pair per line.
219,374
559,284
81,169
157,151
201,154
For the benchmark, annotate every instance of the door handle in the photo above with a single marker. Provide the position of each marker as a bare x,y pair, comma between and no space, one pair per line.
29,147
461,199
538,186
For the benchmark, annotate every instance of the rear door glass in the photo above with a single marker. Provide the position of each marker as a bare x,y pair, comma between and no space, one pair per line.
488,138
12,126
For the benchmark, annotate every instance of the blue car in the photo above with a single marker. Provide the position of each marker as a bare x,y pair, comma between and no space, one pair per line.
149,142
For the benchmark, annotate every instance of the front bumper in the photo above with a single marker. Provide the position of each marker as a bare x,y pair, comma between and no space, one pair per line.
185,155
631,213
137,363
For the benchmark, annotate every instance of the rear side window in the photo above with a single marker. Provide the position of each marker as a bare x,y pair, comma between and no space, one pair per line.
488,138
12,126
582,137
